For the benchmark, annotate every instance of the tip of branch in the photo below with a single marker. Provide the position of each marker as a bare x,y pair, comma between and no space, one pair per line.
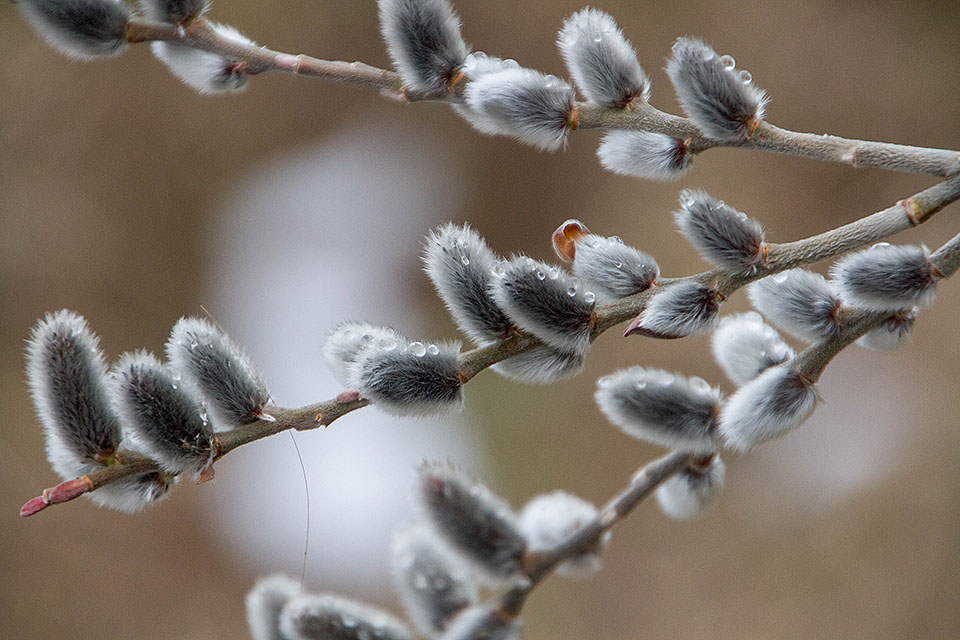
32,506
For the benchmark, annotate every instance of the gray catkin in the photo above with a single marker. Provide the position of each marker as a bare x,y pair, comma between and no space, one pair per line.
423,38
475,522
720,233
79,28
546,301
800,302
684,309
611,269
887,277
644,154
163,414
602,62
714,97
68,381
228,381
662,408
460,265
330,617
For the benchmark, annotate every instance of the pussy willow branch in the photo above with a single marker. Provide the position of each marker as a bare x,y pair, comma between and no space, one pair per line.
640,116
907,213
811,362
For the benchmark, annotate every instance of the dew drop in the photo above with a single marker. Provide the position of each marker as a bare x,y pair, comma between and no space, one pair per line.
616,239
746,77
598,38
498,270
479,55
510,63
618,265
700,385
433,349
194,345
387,344
572,291
541,275
640,385
553,273
590,297
464,260
728,62
880,245
687,199
780,278
417,348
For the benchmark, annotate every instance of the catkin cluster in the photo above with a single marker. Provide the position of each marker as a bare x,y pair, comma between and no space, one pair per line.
465,540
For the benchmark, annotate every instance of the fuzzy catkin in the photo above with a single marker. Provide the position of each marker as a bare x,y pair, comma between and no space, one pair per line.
887,277
68,381
460,265
546,301
612,269
601,60
214,364
549,519
177,12
423,38
345,342
662,408
475,522
720,233
724,104
330,617
772,404
79,28
532,107
684,309
693,491
745,346
163,414
433,584
800,302
413,379
644,154
266,601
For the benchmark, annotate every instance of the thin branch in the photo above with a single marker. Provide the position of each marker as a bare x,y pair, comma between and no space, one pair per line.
905,214
639,116
642,484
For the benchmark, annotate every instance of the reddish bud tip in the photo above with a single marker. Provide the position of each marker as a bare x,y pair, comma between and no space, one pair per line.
350,395
33,506
67,491
565,239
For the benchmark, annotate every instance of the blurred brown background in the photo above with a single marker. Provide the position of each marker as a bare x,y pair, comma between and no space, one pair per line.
119,189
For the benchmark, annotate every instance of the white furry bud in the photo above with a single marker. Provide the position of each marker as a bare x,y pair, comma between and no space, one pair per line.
423,38
163,414
693,491
227,380
662,408
611,269
409,379
745,346
204,71
461,265
684,309
433,584
343,345
79,28
800,302
772,404
720,233
723,102
534,108
644,154
601,60
544,300
886,277
476,523
551,518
